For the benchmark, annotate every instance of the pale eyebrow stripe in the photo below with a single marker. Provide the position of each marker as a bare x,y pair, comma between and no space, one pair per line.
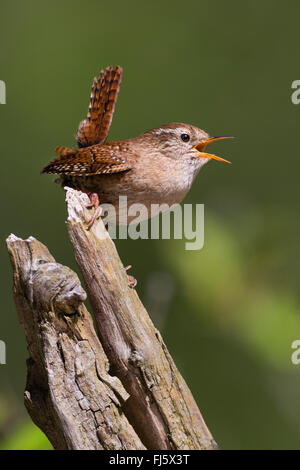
168,131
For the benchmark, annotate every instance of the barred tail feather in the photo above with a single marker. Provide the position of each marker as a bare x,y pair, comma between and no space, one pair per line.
95,128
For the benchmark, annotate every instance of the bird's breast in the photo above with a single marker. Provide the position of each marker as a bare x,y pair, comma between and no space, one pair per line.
162,178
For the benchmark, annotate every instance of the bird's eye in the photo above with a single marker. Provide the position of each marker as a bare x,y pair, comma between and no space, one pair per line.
185,137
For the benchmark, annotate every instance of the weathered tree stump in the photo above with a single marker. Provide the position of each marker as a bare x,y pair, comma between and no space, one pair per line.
121,391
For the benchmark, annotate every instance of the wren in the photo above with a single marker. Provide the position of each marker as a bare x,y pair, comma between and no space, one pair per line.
157,167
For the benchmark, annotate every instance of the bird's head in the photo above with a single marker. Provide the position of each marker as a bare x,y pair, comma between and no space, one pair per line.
183,141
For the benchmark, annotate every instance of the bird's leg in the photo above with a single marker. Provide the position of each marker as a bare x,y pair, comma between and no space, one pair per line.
132,282
94,202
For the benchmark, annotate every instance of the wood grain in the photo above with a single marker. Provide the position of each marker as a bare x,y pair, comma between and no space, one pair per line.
69,394
160,406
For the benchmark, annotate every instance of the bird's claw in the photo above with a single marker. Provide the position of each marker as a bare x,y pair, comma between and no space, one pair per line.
132,282
96,215
94,202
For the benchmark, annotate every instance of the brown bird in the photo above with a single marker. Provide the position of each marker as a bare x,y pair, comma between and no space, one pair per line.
158,167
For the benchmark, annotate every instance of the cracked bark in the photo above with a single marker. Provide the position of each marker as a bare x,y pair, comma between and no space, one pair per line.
121,391
69,393
160,406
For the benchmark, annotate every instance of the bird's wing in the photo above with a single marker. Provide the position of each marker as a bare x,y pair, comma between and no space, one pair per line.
96,160
105,89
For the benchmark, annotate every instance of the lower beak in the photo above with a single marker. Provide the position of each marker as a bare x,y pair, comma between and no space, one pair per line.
201,146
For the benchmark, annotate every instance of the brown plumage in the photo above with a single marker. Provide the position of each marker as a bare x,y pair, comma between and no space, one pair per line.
157,167
93,160
95,128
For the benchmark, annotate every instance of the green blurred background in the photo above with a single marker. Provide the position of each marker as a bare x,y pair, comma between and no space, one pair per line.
230,311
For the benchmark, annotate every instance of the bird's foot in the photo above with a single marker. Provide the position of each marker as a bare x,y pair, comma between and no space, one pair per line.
94,202
132,282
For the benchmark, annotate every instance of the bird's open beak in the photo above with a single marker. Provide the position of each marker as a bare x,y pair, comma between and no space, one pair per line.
201,146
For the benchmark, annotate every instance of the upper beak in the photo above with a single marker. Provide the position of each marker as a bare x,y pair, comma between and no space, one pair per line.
201,146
